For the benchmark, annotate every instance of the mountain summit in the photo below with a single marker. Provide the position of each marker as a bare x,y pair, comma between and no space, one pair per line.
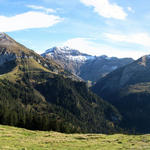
86,66
5,39
68,53
15,53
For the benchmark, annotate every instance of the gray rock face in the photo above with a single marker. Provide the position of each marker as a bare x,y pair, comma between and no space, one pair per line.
83,65
6,57
101,66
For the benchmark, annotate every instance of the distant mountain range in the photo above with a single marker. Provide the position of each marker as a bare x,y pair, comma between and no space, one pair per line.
83,65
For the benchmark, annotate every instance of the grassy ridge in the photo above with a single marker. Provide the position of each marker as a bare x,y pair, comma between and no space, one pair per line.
12,138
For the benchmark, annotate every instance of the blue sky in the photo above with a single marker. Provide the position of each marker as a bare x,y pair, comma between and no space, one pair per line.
112,27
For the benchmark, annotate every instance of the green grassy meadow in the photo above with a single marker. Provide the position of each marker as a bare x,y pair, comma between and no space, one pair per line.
12,138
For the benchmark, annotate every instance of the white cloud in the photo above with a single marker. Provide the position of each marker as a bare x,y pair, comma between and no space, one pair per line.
47,10
28,20
86,45
82,44
130,9
106,9
138,38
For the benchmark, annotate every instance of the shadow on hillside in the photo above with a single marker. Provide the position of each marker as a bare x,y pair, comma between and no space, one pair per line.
7,67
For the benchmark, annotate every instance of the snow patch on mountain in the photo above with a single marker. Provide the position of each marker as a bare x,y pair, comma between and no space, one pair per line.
70,54
79,58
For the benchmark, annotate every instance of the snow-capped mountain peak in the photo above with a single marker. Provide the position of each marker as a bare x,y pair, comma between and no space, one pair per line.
68,53
86,66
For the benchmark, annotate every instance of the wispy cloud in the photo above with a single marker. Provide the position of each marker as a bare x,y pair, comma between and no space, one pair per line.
82,44
87,45
106,9
130,9
137,38
28,20
47,10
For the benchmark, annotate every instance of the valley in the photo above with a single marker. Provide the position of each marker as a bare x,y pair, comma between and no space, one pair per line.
74,75
40,93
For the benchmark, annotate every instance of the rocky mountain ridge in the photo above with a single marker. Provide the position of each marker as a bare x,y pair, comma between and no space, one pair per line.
86,66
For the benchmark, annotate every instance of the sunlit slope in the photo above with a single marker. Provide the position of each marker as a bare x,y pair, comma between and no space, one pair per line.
12,138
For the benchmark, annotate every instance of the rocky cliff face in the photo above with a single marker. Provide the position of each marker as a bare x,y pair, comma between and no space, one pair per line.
6,57
83,65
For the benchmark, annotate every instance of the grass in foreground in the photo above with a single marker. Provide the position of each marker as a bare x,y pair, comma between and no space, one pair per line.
12,138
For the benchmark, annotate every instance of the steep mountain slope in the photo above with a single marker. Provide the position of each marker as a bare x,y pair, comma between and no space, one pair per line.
85,66
101,66
128,88
69,59
36,93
